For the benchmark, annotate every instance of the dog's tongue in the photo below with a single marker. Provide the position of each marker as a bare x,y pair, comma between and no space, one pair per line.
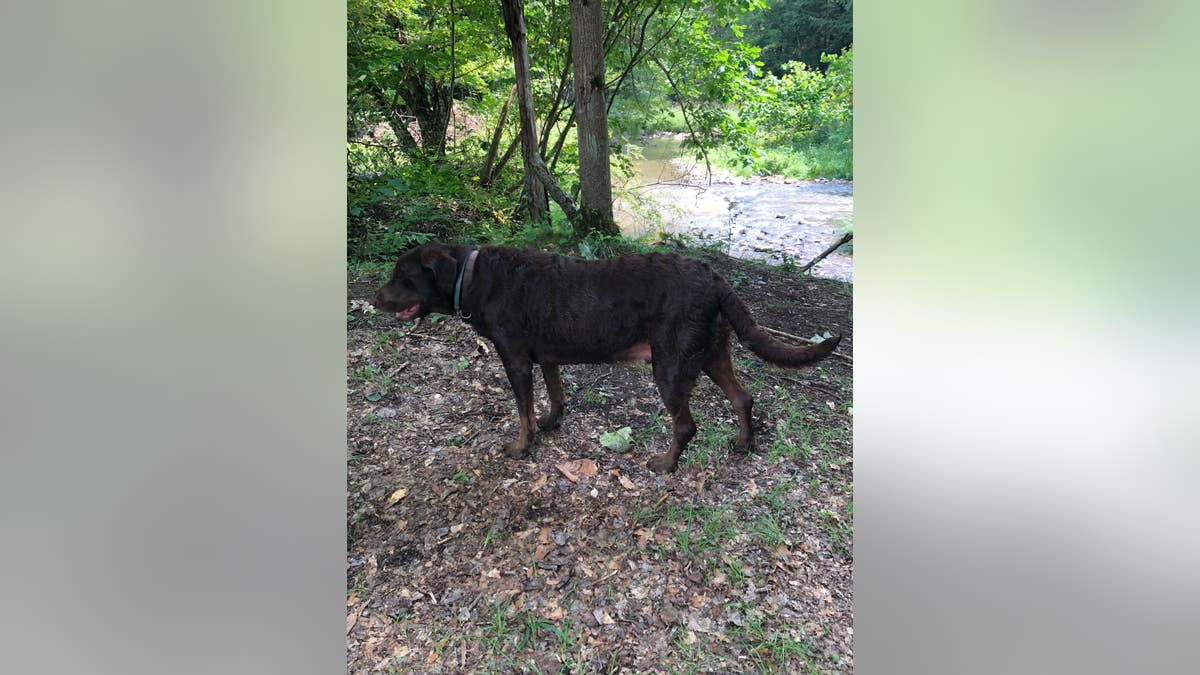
408,313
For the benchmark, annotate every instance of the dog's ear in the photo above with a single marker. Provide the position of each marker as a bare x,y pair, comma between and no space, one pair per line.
443,266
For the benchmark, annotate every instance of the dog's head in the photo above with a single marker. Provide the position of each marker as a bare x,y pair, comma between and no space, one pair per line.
422,282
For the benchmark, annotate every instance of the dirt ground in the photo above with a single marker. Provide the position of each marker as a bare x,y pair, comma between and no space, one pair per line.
580,559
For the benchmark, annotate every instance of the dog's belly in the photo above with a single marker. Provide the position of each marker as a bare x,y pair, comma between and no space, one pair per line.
638,352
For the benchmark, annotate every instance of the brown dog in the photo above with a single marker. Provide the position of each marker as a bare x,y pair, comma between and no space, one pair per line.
542,308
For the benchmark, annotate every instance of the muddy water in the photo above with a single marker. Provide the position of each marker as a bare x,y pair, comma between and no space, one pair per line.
764,218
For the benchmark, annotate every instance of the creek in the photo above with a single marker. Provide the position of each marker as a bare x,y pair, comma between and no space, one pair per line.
766,218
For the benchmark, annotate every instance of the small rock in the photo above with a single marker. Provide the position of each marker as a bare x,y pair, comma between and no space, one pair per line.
385,413
452,596
559,537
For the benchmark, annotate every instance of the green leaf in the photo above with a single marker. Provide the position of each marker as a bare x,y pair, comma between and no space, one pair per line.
618,441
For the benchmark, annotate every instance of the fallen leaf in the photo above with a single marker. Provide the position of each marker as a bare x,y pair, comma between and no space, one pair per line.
643,536
397,496
569,469
628,484
433,657
541,551
752,488
494,573
619,440
587,468
556,614
602,617
537,484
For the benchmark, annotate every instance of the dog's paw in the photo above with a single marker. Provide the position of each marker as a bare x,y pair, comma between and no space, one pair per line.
516,450
549,421
663,463
744,448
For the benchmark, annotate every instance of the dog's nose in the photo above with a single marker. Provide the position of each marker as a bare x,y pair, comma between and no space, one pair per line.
378,301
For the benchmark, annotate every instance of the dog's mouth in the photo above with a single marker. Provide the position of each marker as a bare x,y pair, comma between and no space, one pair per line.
409,313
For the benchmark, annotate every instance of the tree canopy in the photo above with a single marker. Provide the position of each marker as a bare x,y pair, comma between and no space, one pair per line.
432,112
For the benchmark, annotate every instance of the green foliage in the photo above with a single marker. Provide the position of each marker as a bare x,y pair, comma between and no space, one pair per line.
799,124
391,210
801,30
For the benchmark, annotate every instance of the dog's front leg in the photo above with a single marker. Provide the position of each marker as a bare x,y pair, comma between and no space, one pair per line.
520,376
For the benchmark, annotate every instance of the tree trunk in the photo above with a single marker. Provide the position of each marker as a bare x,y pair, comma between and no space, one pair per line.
453,75
591,113
485,175
514,26
430,104
556,107
504,158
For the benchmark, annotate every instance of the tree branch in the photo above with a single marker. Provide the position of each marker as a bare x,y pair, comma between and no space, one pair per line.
845,238
683,109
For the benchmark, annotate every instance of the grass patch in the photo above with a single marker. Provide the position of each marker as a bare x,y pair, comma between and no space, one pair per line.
793,438
511,630
773,651
802,162
703,529
839,529
768,530
709,447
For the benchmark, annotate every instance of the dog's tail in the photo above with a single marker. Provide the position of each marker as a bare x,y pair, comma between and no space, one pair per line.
763,343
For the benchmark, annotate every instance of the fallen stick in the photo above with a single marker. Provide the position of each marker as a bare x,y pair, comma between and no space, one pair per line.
845,238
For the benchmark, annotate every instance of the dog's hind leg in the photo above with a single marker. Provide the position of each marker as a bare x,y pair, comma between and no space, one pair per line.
554,389
720,368
520,376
